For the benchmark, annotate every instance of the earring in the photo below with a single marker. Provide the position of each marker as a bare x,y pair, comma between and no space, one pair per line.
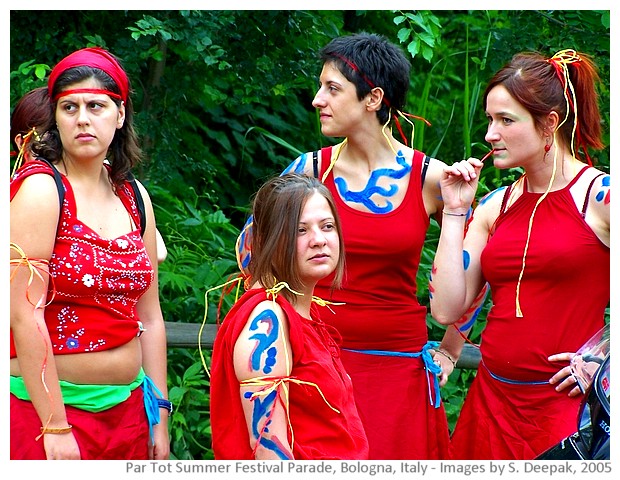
547,148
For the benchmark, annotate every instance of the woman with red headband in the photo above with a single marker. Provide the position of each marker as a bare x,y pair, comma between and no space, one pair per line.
386,193
88,345
541,243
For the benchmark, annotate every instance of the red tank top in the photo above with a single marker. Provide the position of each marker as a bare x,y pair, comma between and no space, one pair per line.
337,436
564,290
97,281
382,252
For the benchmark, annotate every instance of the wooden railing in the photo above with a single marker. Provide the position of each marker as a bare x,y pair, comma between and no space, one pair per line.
186,335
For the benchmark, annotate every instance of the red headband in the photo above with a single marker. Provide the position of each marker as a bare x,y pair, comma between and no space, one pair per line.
369,82
92,57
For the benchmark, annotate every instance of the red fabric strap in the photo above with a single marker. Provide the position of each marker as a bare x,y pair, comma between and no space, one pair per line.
92,57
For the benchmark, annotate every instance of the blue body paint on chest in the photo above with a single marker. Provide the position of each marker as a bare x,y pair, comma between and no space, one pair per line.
364,196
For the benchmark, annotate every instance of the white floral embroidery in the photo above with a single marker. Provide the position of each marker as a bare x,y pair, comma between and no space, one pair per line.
88,280
122,243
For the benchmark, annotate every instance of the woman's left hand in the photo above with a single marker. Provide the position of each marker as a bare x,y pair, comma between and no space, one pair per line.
446,367
564,378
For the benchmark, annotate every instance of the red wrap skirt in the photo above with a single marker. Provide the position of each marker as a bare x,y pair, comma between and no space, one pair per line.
118,433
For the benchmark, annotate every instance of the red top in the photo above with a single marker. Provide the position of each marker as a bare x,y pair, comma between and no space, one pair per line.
97,281
383,254
319,432
564,290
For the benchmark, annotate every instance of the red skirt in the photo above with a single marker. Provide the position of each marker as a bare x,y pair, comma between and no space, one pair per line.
119,433
503,421
392,397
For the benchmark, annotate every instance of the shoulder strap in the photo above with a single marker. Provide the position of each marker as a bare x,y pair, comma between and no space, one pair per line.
315,163
427,160
586,200
139,203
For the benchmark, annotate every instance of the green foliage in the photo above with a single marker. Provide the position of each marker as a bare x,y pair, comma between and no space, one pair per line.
223,101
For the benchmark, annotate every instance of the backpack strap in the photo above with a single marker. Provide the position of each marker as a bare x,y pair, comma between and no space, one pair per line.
315,163
427,160
139,202
57,179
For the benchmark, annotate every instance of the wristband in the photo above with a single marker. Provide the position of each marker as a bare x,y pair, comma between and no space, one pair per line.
452,214
167,404
445,354
55,430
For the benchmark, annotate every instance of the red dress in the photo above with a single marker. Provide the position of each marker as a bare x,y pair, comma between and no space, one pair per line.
395,395
563,295
97,284
319,432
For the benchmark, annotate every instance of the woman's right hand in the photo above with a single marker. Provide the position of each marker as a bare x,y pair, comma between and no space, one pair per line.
61,446
459,182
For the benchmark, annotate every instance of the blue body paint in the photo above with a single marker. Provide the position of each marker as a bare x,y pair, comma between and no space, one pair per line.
603,195
261,411
466,259
265,341
489,195
297,166
364,196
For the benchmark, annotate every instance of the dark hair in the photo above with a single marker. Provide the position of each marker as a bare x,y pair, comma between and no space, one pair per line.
124,152
276,211
533,81
32,111
367,59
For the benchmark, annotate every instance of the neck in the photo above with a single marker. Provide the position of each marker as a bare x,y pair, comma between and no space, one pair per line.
558,172
372,150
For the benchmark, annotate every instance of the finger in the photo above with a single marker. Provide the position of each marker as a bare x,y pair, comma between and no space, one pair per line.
569,382
561,357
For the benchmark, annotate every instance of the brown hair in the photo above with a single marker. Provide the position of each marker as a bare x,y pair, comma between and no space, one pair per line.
277,208
536,83
32,111
124,152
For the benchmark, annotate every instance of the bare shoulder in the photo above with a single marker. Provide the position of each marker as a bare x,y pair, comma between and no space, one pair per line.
35,208
489,206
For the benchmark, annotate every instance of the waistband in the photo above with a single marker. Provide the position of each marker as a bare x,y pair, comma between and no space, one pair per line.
429,365
91,398
511,381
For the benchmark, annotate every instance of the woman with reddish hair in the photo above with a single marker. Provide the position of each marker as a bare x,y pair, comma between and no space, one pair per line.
88,345
542,244
31,112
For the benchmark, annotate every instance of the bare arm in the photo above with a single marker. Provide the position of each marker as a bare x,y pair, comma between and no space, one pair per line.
262,355
454,338
153,340
34,213
456,276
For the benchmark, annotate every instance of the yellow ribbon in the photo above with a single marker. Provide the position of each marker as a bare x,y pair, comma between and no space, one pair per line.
237,280
560,60
34,265
22,149
269,384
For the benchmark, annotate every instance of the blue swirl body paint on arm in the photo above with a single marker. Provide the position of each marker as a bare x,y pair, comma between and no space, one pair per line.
265,341
364,196
259,412
297,166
